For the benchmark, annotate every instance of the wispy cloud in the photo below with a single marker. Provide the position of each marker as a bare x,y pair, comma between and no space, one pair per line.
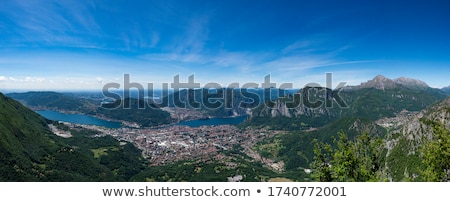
261,62
193,40
154,39
52,22
296,63
296,45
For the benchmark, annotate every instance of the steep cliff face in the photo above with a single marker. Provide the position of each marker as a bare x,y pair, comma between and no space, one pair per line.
305,102
407,134
414,126
282,108
378,98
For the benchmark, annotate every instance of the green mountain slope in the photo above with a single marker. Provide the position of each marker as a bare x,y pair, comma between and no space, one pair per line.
415,148
134,110
29,151
378,98
407,137
296,148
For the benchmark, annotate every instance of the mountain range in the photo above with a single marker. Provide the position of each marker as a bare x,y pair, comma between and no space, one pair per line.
397,110
374,99
381,82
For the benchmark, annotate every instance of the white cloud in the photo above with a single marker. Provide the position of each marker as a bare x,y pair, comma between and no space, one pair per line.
296,63
3,78
34,79
297,45
42,21
99,79
193,40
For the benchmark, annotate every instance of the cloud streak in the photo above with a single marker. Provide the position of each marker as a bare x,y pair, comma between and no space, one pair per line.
44,21
91,43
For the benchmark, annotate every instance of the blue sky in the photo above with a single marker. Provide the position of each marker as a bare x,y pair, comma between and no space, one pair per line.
67,45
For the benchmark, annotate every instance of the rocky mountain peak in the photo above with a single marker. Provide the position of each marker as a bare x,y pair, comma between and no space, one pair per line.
379,82
411,82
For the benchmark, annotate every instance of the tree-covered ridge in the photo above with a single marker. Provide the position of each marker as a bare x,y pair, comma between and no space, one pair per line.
24,141
397,151
364,159
135,110
296,148
406,140
359,160
436,154
29,151
53,100
418,150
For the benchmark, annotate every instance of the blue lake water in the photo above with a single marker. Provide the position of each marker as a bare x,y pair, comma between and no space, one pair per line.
89,120
78,119
214,121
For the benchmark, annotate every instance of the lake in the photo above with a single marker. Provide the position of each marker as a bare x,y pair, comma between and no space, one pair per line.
89,120
214,121
78,119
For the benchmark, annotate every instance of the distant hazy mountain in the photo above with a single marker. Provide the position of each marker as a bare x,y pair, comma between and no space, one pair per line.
136,110
446,89
53,100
